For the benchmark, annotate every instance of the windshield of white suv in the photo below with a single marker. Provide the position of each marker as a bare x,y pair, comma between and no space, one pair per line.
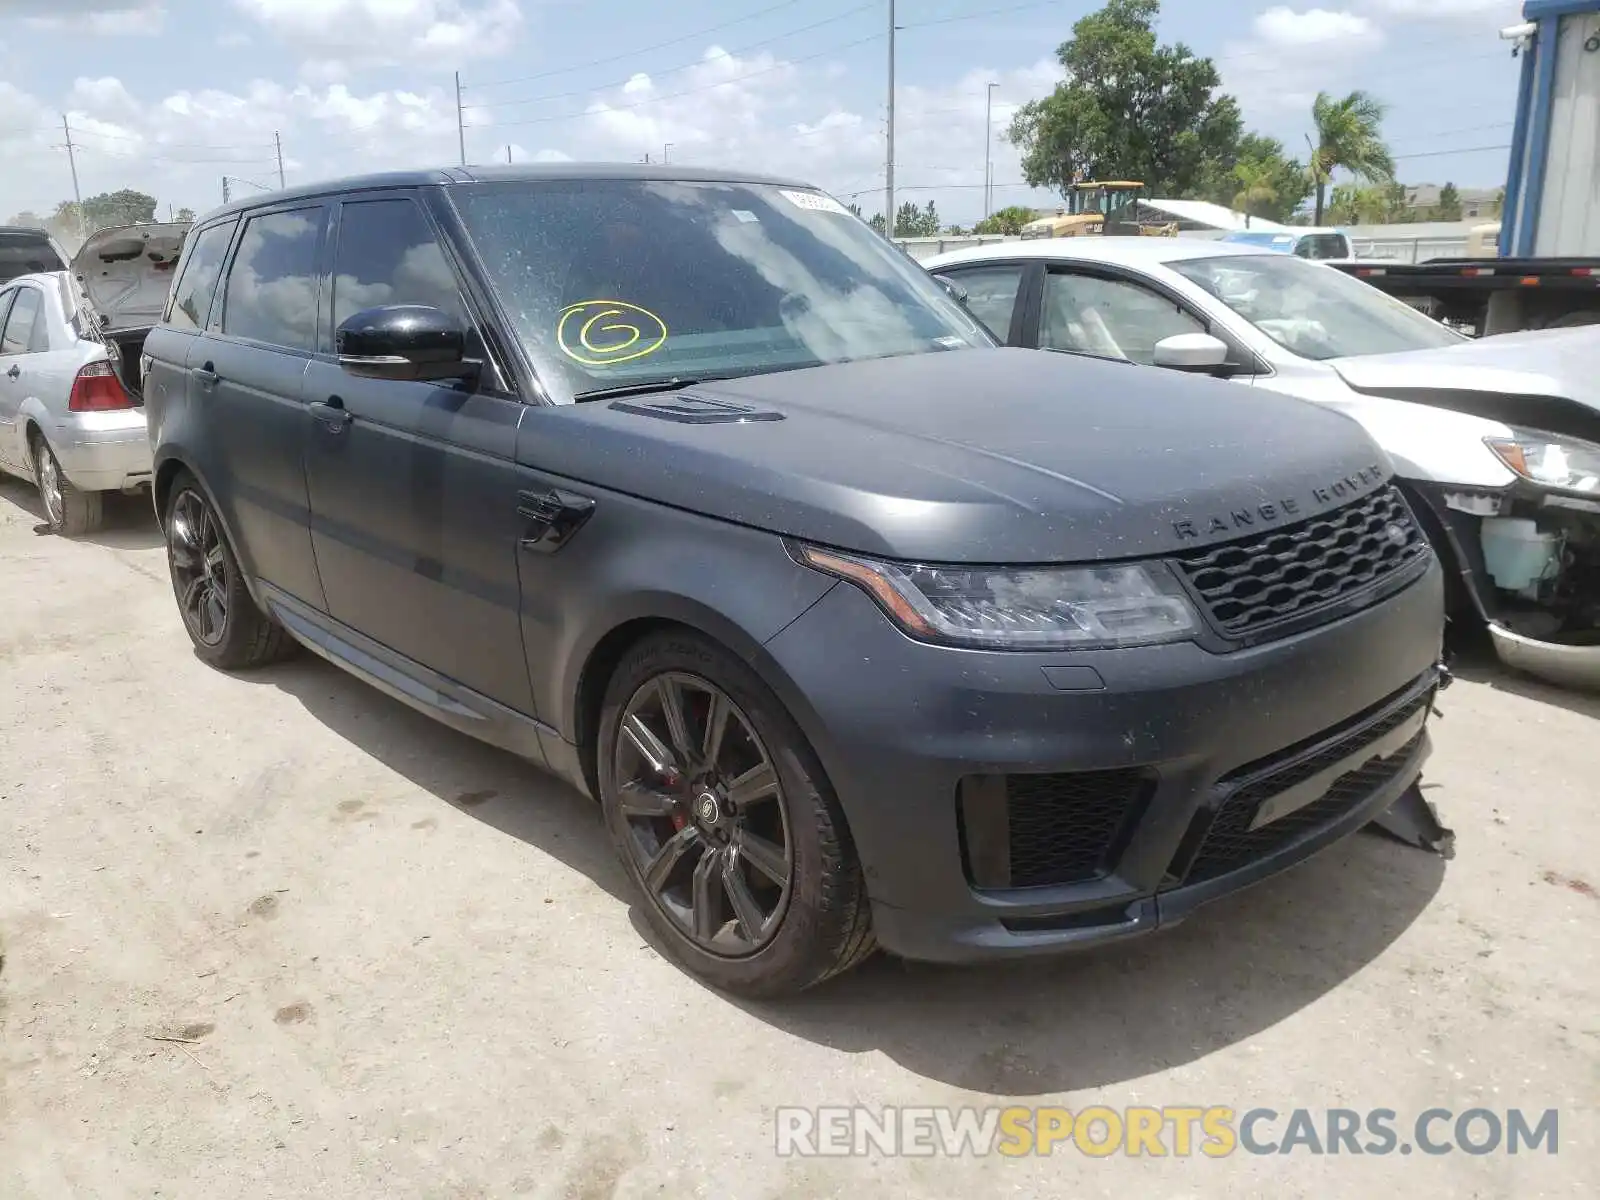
1314,311
622,283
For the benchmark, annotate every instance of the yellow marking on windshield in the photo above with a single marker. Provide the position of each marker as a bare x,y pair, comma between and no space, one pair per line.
598,333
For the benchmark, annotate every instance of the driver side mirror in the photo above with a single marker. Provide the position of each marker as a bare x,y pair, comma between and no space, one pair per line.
403,343
1197,352
953,289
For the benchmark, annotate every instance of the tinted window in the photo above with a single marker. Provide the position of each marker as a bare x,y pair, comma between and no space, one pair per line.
611,282
991,294
191,299
271,295
1323,245
1109,317
27,253
387,254
19,325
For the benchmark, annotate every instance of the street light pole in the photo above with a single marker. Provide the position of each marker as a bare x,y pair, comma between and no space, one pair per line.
988,136
461,122
888,175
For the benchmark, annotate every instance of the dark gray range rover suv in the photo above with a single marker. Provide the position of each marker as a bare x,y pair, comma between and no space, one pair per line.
861,629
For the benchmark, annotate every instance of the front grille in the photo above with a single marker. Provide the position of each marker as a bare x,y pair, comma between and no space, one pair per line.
1063,828
1229,843
1289,573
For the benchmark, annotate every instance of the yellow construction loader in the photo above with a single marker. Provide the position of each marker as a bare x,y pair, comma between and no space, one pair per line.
1099,208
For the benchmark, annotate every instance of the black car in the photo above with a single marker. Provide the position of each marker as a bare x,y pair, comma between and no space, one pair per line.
861,629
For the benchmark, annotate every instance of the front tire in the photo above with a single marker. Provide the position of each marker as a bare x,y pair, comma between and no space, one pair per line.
219,614
725,821
69,511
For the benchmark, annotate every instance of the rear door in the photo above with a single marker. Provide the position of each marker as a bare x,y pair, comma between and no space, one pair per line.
247,372
23,336
414,485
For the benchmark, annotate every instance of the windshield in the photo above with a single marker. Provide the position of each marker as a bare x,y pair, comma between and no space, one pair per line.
1314,311
1277,241
616,283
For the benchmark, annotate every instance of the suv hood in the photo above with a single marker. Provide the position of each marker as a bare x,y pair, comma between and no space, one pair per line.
1548,379
125,273
1002,455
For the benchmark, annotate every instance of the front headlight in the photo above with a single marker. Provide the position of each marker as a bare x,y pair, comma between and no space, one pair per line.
1021,608
1550,459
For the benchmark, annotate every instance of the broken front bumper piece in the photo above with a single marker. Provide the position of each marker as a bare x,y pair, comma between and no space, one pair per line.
1556,662
1412,819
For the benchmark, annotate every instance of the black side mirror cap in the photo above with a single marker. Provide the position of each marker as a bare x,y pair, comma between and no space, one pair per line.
403,342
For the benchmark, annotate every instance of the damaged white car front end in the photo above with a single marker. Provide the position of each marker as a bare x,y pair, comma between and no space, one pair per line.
1499,439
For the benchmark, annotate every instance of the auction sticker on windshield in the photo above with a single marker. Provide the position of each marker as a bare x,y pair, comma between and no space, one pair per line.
600,333
815,202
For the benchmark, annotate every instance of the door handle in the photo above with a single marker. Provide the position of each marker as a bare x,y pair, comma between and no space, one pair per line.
15,371
207,375
332,414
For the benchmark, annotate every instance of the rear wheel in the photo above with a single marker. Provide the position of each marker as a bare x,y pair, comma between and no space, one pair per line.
222,619
68,510
723,818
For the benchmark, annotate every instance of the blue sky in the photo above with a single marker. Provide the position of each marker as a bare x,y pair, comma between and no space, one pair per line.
170,95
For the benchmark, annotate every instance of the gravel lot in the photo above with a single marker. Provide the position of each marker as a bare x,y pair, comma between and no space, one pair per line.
403,964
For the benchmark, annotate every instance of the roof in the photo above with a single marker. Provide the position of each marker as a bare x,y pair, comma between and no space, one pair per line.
1203,212
1121,251
516,173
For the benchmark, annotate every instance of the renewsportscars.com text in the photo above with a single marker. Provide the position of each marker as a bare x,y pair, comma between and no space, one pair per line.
1173,1130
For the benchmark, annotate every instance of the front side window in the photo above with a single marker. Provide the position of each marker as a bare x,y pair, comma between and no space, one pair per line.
991,293
271,293
18,333
622,282
387,254
1311,310
1112,318
191,298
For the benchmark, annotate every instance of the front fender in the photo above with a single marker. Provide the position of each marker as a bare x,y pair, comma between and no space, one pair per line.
1432,445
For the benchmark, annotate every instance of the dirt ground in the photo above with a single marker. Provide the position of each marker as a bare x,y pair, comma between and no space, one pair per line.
398,963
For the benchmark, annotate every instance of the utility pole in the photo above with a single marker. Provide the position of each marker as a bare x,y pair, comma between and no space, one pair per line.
988,136
666,152
888,175
278,141
224,189
72,161
461,122
508,155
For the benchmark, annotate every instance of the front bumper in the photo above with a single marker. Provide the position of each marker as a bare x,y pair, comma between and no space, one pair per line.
1556,662
103,451
1017,803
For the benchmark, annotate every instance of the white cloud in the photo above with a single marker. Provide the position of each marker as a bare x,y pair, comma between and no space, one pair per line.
104,18
338,37
1313,27
1444,9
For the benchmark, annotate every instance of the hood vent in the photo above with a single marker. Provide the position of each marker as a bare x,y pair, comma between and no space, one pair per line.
689,409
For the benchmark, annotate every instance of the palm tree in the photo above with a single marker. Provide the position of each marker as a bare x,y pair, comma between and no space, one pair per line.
1258,186
1349,135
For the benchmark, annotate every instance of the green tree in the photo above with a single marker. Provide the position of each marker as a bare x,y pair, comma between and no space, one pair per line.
1449,206
1130,108
185,214
876,222
28,219
912,221
954,230
1349,134
1009,220
1354,204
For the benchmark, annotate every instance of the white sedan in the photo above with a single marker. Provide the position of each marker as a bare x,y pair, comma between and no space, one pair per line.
71,413
1496,440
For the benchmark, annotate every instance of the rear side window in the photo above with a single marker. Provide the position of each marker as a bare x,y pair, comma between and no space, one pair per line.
991,294
271,294
387,254
18,334
191,298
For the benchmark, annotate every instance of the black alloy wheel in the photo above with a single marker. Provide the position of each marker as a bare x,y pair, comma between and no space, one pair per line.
199,568
704,814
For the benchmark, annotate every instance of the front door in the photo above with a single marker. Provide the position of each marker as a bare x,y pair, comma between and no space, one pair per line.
414,485
12,451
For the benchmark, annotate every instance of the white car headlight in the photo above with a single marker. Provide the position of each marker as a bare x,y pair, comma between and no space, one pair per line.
1021,608
1551,459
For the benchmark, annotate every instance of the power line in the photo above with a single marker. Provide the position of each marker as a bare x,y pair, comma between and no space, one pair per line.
688,91
699,62
1461,150
988,12
600,62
